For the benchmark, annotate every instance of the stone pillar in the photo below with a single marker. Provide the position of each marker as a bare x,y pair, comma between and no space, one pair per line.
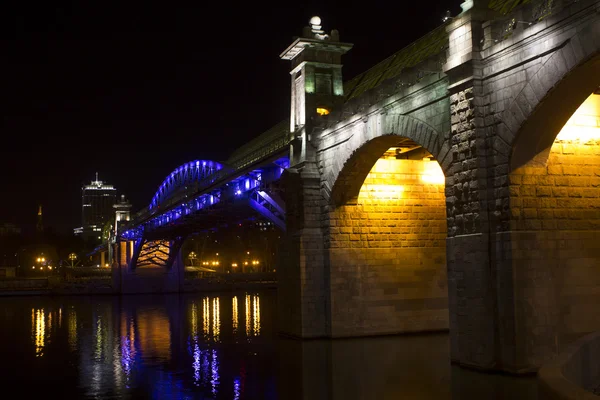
472,284
303,292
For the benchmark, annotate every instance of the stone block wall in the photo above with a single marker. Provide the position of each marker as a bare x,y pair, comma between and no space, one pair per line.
387,255
555,248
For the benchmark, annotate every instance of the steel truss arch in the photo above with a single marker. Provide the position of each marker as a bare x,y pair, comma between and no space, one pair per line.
183,175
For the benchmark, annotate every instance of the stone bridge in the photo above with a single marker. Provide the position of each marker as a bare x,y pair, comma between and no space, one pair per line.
506,254
455,185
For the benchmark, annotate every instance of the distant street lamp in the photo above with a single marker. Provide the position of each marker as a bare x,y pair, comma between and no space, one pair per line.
73,259
40,262
192,256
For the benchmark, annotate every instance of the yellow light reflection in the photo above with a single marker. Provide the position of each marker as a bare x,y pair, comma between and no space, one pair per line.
256,316
235,314
38,319
584,125
205,317
154,333
248,316
216,320
194,321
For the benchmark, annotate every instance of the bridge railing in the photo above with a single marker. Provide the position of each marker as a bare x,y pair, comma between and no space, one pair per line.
270,143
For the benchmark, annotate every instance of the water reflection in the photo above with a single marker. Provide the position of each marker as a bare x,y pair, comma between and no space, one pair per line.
235,316
218,347
412,367
152,329
38,326
72,330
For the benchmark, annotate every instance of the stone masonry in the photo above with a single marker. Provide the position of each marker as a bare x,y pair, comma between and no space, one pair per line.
486,95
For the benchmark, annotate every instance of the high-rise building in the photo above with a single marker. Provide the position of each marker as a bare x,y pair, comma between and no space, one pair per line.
97,201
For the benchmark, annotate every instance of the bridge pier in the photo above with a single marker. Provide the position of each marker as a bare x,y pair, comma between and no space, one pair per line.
129,278
303,299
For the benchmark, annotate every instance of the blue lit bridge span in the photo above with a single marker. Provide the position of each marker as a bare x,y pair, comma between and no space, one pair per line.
204,195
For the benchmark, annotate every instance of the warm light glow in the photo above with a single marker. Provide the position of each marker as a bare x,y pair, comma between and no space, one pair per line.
584,125
383,191
322,111
392,179
49,267
234,265
432,173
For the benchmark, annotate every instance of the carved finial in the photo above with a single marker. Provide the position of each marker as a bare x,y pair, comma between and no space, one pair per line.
315,27
476,4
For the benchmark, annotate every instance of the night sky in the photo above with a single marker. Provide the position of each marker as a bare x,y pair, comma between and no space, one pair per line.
132,91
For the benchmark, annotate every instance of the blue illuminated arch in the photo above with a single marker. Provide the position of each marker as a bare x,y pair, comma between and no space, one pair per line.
187,173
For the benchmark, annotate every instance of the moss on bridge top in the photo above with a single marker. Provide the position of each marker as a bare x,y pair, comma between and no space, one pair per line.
506,6
429,45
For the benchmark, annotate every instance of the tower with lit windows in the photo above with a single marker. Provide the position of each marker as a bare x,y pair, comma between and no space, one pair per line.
317,85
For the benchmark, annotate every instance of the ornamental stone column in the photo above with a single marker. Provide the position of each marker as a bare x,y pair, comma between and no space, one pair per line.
316,88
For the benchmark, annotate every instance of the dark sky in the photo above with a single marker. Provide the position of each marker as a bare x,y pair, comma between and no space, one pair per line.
133,90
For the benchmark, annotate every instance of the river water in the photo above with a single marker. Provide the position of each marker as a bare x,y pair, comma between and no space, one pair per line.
216,346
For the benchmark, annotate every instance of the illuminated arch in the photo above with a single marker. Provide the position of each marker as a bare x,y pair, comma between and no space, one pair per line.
357,159
532,121
183,175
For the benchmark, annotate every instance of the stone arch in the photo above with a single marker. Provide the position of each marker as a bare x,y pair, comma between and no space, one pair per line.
357,159
561,84
550,229
385,232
